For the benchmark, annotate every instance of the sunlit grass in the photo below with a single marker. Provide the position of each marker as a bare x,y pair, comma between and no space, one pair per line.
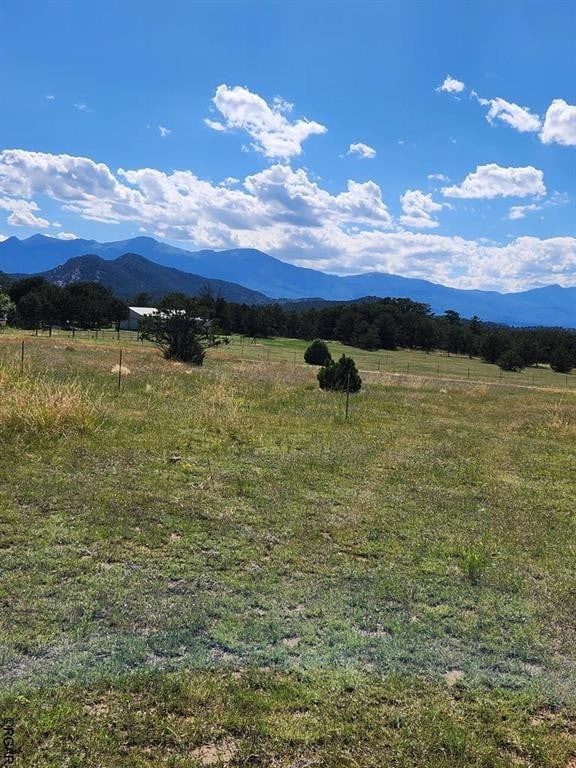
226,566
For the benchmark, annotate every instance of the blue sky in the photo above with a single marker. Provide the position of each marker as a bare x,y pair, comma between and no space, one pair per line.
429,139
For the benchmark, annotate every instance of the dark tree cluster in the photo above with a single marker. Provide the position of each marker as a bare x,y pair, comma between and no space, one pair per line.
391,323
367,324
39,304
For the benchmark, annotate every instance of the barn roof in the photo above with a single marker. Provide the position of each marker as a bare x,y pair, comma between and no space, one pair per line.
143,311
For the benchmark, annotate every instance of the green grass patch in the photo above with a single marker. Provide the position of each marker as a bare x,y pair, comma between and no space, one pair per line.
222,567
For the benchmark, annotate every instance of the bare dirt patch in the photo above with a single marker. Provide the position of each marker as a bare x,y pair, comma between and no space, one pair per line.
215,753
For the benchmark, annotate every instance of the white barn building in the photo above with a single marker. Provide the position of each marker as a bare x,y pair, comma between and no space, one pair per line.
135,314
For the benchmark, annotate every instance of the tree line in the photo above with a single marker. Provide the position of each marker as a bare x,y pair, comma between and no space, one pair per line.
391,323
387,323
37,304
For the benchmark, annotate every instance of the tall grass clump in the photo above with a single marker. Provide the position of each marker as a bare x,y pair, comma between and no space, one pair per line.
223,407
474,563
561,418
33,407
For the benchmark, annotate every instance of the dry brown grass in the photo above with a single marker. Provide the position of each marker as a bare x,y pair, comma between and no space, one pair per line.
30,406
561,418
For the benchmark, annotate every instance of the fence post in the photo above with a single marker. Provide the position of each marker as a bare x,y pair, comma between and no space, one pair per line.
120,372
347,395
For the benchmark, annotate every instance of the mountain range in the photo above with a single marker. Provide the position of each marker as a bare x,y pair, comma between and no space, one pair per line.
131,273
249,275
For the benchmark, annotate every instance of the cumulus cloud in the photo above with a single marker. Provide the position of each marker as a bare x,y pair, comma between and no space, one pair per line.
362,150
291,197
451,85
560,124
164,131
418,209
271,131
437,177
492,180
519,211
286,213
66,236
23,213
517,117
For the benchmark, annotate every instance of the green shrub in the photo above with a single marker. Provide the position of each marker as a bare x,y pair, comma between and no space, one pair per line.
318,353
510,361
340,376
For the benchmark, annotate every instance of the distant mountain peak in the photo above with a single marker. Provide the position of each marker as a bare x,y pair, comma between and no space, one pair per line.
131,273
128,265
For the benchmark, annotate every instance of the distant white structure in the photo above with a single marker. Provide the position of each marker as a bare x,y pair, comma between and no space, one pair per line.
135,314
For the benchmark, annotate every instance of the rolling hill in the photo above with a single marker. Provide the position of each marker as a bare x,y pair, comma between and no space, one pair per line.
130,274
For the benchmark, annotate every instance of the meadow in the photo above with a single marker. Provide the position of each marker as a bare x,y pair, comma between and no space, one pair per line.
212,566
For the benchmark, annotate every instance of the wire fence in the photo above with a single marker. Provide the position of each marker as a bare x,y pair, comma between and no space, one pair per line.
20,350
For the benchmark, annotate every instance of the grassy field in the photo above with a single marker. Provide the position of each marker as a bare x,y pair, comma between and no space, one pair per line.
436,365
212,567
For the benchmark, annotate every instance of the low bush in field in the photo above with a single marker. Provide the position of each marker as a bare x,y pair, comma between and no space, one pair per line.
317,353
340,376
34,407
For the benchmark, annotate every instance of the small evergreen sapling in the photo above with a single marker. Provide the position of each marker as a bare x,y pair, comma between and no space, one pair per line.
340,376
317,353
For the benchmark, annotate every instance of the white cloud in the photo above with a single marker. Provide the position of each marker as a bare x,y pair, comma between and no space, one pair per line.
215,125
66,236
84,186
3,237
519,211
362,150
291,197
283,212
49,97
451,85
418,209
81,106
437,177
560,124
22,213
282,105
271,132
490,181
229,181
517,117
164,131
